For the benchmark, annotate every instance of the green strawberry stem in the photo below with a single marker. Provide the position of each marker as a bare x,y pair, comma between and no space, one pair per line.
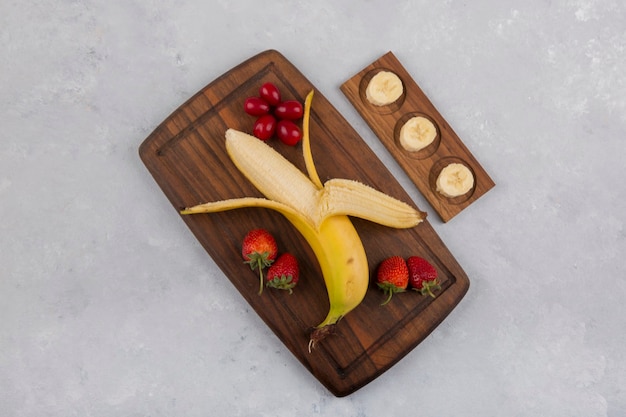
388,298
429,286
284,282
260,265
259,260
389,288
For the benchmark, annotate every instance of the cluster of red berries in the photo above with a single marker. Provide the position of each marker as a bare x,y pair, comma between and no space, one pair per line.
274,116
396,275
259,250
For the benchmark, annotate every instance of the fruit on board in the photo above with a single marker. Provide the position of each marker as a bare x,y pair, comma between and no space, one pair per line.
280,120
270,93
284,273
264,127
259,250
256,106
289,110
288,132
455,180
422,276
392,276
384,88
319,212
417,133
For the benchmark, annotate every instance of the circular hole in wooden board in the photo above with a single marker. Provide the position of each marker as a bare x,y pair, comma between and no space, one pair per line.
387,109
434,174
427,151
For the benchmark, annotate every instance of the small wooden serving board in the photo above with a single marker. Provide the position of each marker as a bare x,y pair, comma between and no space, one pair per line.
423,166
186,156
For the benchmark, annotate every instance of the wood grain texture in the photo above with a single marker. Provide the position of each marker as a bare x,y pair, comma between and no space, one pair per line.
422,167
186,156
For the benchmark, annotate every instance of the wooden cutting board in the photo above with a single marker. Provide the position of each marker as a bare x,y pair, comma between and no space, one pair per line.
186,156
422,167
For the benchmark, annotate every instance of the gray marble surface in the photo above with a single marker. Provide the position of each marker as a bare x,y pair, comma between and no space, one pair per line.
110,307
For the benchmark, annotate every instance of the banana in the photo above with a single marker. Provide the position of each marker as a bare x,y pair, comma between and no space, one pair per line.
455,180
384,88
318,211
417,133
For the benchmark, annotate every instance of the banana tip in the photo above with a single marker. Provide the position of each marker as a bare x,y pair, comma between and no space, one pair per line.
320,333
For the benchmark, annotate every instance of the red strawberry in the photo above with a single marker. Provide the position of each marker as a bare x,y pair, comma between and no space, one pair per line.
284,273
392,276
259,250
423,276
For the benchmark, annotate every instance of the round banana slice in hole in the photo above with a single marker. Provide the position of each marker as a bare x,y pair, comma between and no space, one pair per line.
384,88
417,133
455,180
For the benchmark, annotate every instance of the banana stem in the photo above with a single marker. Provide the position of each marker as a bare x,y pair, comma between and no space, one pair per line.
320,333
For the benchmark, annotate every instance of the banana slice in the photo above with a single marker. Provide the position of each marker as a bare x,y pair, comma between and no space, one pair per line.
417,133
384,88
455,180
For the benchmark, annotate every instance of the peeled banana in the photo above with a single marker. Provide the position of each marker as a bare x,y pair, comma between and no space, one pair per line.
455,180
319,212
417,133
384,88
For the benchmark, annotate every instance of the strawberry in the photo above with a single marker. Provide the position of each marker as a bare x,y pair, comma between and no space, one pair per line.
422,276
259,250
392,276
284,273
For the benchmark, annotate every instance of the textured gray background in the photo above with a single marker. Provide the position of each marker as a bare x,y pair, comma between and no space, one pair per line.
109,307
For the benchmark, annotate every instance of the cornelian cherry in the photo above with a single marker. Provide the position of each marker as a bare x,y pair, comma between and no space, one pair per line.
288,132
274,116
256,106
264,127
270,93
290,109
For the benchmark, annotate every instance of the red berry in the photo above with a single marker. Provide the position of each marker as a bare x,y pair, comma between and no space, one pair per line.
422,276
264,127
284,273
270,93
288,132
290,109
259,250
392,276
256,106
